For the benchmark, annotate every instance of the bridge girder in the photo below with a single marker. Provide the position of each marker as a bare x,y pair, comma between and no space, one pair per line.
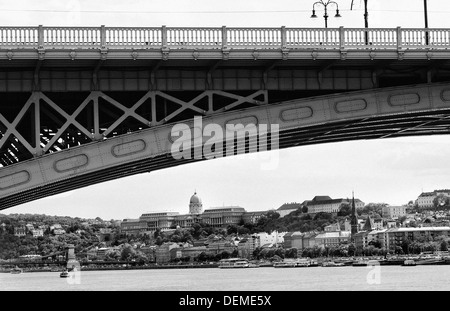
371,114
53,126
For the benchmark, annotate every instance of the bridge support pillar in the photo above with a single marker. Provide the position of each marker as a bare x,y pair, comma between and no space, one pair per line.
71,260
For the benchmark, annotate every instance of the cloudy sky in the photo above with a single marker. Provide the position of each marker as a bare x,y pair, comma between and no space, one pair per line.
391,170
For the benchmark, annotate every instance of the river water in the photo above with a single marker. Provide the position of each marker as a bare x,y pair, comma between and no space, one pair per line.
384,278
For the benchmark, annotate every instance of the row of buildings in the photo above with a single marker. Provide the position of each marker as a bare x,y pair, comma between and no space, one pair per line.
427,199
328,205
318,204
219,217
388,239
103,234
332,236
23,230
211,246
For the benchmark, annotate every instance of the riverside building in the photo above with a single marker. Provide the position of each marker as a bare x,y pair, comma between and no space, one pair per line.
218,217
328,205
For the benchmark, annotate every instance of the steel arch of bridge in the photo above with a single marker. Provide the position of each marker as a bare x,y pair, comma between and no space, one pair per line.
371,114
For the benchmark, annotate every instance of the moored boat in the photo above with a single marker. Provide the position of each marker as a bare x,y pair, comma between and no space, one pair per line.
409,262
64,274
431,260
313,263
284,264
359,263
234,263
302,263
253,265
332,264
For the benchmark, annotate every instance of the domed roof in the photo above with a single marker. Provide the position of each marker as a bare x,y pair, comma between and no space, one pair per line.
195,199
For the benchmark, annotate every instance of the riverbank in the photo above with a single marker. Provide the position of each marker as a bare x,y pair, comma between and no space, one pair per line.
101,268
355,262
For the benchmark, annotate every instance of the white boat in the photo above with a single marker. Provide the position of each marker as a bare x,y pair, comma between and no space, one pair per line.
313,263
409,262
285,264
360,263
430,260
302,263
332,264
64,274
234,263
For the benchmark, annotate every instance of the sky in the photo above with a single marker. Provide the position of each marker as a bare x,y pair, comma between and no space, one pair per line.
392,171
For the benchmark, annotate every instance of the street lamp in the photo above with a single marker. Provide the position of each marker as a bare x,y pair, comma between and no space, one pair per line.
366,21
425,10
325,4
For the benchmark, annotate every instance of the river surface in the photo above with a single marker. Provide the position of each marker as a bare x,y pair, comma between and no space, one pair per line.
384,278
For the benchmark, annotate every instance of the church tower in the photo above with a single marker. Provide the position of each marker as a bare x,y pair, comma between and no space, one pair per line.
195,204
354,219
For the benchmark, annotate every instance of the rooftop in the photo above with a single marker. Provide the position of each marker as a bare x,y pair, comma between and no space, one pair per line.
328,235
224,209
289,206
411,229
160,214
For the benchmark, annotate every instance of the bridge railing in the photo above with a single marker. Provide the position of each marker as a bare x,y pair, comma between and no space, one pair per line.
221,37
131,37
253,37
70,37
417,37
312,37
192,37
18,37
376,37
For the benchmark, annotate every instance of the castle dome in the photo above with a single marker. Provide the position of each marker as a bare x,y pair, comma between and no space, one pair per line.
195,199
195,204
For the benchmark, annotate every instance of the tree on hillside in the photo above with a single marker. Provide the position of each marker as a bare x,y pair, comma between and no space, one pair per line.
344,210
444,246
305,209
441,201
323,216
157,233
128,252
272,215
351,249
232,229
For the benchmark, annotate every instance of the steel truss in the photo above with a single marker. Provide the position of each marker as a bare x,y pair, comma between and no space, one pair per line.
44,125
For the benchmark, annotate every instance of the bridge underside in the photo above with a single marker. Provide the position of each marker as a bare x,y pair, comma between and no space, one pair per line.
53,104
114,149
431,123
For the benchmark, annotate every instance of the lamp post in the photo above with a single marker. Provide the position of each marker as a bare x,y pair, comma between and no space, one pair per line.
325,4
366,21
425,9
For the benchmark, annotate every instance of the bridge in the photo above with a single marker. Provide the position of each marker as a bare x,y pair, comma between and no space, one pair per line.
83,105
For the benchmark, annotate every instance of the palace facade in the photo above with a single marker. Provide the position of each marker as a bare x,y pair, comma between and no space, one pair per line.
219,217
